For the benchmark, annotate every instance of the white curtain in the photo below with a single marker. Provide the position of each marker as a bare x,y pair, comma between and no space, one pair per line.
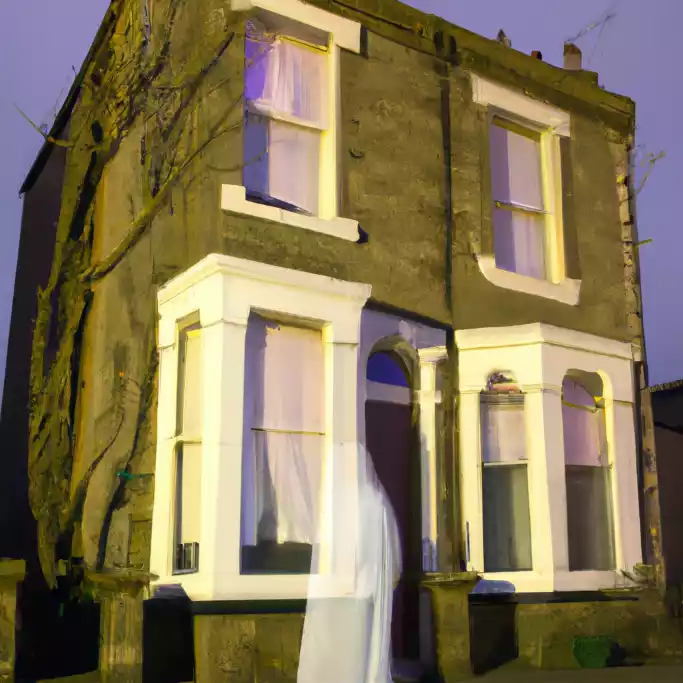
583,427
503,432
519,242
284,80
516,168
284,421
360,651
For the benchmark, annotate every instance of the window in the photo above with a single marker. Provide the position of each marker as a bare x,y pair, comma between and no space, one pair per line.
188,451
507,524
588,474
283,446
520,215
287,114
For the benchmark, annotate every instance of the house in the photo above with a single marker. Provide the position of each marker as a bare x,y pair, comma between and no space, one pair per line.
668,428
278,229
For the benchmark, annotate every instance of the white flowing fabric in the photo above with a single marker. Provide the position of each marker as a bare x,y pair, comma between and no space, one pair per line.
348,640
283,442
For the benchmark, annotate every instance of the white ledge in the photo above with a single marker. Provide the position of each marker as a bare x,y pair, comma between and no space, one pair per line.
234,198
345,31
567,291
492,94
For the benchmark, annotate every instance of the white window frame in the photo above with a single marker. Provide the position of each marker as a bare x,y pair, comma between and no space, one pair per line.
343,34
551,124
539,356
223,290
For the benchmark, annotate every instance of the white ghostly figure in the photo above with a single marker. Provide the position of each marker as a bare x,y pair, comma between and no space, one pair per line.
347,639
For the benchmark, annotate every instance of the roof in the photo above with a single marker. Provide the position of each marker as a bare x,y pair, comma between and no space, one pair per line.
667,386
64,114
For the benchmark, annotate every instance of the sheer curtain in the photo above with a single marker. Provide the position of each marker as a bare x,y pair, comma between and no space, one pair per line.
286,93
517,183
360,650
507,522
588,480
284,424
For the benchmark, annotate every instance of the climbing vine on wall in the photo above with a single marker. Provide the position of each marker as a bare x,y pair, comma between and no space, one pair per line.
145,76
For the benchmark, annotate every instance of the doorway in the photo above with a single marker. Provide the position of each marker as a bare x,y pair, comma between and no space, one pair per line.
392,442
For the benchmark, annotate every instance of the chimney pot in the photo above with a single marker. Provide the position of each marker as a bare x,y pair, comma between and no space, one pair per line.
572,57
536,54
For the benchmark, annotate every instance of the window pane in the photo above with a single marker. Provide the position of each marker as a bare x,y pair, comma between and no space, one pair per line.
589,504
285,374
294,165
190,384
519,242
288,479
287,78
188,492
516,168
507,524
255,172
503,433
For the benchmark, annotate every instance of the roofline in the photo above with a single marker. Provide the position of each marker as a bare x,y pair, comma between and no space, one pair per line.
666,386
64,113
413,36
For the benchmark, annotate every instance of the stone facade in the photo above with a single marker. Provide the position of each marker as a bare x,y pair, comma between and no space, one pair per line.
11,573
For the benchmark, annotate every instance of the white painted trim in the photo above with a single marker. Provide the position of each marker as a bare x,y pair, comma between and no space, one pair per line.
345,31
539,356
223,290
537,333
234,198
489,93
566,291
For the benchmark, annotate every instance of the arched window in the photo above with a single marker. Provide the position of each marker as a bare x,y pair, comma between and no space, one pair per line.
507,524
588,473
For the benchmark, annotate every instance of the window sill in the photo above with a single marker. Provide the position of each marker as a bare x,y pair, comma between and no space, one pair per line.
566,292
234,199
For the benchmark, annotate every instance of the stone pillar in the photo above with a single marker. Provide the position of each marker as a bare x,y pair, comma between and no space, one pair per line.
120,594
11,573
451,619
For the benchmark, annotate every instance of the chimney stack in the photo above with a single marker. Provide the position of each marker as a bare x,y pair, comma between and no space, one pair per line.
572,57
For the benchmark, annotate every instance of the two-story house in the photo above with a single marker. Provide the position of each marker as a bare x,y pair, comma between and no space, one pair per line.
278,229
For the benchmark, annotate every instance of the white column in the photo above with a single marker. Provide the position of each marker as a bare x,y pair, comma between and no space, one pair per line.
547,489
162,514
622,442
221,508
429,359
470,478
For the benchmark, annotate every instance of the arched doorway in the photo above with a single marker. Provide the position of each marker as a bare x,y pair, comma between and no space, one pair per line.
392,440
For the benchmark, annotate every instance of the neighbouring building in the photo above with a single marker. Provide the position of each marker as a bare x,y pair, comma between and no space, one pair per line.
266,231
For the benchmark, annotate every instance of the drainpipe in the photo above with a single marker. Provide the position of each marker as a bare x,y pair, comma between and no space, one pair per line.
450,532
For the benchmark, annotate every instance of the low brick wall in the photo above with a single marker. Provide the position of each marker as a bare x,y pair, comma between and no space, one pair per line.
11,573
242,648
642,627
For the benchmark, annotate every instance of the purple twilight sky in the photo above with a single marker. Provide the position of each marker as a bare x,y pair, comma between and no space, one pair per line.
42,43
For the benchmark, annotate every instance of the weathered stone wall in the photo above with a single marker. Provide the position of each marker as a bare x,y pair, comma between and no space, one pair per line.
11,573
245,648
546,631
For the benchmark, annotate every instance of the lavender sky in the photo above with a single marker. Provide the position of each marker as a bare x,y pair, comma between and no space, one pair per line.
42,42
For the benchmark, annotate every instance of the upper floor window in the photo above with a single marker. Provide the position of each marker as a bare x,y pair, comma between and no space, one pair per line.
288,107
520,217
505,486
